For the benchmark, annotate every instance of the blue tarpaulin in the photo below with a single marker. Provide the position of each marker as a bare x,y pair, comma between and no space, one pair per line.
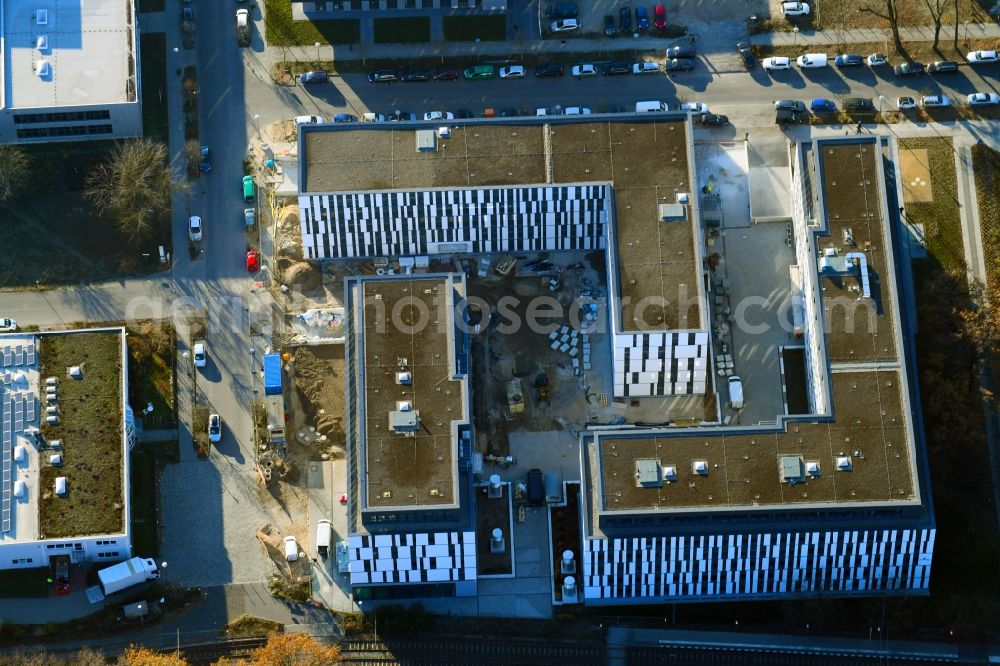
272,374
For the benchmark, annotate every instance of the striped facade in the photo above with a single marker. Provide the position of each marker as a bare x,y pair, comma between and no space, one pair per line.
407,223
659,364
412,558
705,567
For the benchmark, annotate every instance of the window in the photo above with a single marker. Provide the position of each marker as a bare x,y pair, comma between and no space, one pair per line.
61,117
67,130
108,554
22,560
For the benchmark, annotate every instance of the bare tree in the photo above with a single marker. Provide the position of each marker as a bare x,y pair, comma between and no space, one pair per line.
889,14
956,25
15,167
134,186
937,9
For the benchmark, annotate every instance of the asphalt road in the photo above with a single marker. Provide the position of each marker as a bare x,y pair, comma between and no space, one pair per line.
720,82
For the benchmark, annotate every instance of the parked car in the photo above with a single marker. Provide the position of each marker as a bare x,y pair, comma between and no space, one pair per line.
934,101
479,72
746,55
576,111
680,52
876,60
249,217
253,261
794,9
617,68
981,57
194,228
908,68
714,120
905,103
983,99
439,115
583,69
416,77
205,165
550,69
307,120
562,10
609,25
243,27
694,107
678,65
776,63
446,75
199,354
314,77
565,25
659,16
645,67
625,19
7,325
787,117
512,113
214,428
820,105
248,189
399,116
858,105
641,18
344,118
512,72
789,105
848,60
811,60
464,113
370,117
942,67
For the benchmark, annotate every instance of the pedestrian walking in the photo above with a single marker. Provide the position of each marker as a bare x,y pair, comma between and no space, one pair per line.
859,127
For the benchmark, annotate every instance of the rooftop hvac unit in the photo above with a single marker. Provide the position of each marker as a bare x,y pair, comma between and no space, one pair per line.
51,381
404,378
52,420
55,460
670,472
76,372
52,409
497,544
43,68
700,467
404,405
567,565
844,463
42,16
42,42
20,489
61,485
672,212
20,453
426,141
55,444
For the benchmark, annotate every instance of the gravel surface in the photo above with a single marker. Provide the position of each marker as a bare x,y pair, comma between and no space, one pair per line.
211,513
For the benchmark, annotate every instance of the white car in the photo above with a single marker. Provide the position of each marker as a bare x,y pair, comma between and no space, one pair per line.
935,101
512,72
585,69
565,25
904,103
695,107
576,111
978,57
194,228
7,325
811,60
983,99
200,357
645,67
214,428
439,115
776,63
794,9
308,120
876,60
541,111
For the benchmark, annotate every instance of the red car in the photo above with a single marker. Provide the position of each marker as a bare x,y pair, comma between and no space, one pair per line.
253,261
660,17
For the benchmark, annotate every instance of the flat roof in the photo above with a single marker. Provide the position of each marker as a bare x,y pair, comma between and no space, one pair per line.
870,429
89,434
646,161
91,49
857,330
418,468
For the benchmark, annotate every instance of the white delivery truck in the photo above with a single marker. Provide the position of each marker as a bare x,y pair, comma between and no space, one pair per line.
324,534
122,576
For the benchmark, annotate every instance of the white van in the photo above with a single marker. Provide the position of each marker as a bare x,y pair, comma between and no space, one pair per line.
811,60
736,392
324,534
650,106
291,549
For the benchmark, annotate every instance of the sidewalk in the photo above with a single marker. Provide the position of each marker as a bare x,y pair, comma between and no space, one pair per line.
706,44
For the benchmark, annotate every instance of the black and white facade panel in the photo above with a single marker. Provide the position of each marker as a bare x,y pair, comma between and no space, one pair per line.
407,223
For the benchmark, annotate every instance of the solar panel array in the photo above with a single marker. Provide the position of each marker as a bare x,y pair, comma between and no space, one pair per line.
18,413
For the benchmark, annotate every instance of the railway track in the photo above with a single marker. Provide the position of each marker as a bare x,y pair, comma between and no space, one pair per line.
206,653
435,652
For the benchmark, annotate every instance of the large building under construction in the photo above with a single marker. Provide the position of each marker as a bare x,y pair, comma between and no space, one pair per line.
740,463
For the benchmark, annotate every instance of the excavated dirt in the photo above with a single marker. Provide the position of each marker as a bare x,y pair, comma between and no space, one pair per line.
317,373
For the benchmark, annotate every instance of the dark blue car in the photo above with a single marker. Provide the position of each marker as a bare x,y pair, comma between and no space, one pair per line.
822,106
641,18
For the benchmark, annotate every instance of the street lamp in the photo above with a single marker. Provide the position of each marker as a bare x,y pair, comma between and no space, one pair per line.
256,119
317,51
